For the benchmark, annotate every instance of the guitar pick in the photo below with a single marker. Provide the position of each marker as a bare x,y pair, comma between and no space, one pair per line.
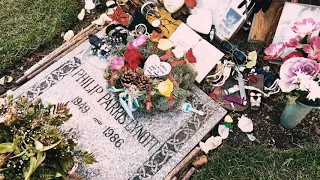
155,68
173,6
201,22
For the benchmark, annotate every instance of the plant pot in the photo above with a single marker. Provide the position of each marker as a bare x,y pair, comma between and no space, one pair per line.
294,113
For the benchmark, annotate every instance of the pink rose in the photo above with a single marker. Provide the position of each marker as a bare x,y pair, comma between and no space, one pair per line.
313,49
291,67
305,27
117,63
274,51
291,55
139,41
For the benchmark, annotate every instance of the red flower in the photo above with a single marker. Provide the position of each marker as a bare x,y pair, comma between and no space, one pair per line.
120,16
133,57
190,57
291,55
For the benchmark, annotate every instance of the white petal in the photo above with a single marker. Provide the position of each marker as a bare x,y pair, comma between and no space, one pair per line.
245,124
81,14
105,17
89,5
223,131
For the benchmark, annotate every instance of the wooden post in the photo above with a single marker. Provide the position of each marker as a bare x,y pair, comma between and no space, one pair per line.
188,175
263,21
187,160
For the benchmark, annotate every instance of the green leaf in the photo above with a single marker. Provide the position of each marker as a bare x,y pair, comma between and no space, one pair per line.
6,148
228,125
292,99
34,164
46,148
31,168
20,154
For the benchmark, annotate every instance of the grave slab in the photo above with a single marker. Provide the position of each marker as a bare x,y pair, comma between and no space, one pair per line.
148,147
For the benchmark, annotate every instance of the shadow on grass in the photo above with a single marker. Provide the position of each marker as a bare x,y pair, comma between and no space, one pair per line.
28,24
259,163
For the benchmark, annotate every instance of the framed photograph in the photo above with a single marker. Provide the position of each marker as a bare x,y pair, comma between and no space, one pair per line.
227,15
291,13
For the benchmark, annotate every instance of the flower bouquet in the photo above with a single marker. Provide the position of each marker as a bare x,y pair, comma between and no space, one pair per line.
299,73
148,74
32,145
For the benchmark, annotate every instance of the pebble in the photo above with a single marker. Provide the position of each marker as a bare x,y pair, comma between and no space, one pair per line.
267,117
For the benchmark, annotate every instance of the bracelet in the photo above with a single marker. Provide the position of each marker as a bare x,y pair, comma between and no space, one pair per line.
144,5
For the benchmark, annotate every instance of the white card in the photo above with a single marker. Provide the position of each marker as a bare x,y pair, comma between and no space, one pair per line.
207,55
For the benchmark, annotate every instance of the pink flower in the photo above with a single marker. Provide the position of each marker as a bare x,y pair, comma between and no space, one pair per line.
274,51
313,49
291,67
294,41
139,41
305,27
117,63
292,54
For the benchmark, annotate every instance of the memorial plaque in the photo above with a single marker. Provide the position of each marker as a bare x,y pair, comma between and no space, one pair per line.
148,147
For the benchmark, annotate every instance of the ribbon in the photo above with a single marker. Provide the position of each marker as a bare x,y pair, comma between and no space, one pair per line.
148,102
126,101
167,56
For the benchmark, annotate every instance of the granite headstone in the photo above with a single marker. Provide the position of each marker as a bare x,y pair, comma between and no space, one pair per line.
148,147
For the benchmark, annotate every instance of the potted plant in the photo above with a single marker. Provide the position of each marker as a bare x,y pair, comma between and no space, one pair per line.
299,72
32,144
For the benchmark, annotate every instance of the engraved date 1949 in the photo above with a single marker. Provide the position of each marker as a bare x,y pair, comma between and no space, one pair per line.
83,106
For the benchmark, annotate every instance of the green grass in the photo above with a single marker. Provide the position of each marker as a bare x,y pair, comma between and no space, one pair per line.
25,25
257,163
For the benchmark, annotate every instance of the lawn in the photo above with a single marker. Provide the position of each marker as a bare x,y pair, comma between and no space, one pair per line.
28,24
260,163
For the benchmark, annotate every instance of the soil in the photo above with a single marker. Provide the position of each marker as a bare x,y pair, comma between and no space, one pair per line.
267,130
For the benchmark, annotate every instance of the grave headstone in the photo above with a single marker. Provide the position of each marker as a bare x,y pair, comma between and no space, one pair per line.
148,147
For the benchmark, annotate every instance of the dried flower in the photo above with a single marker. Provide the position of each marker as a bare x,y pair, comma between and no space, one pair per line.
9,118
274,51
313,49
117,63
165,88
2,160
305,27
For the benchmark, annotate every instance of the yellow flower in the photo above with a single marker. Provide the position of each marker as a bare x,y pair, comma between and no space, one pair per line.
165,88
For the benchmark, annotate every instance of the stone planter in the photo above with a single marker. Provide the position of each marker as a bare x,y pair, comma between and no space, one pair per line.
294,113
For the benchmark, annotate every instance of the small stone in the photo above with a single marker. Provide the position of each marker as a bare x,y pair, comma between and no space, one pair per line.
267,117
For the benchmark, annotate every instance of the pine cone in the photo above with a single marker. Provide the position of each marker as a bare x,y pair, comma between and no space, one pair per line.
135,77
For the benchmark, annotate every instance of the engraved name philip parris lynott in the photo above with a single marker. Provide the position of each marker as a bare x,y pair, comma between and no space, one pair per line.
110,105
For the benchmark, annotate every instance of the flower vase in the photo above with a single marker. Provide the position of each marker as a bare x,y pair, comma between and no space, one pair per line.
294,113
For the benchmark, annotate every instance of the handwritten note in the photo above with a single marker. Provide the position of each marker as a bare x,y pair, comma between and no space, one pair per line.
207,55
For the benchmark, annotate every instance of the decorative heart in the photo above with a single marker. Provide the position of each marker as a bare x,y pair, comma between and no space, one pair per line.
153,67
201,22
173,6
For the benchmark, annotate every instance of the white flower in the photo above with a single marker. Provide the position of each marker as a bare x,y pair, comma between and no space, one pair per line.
314,91
39,145
303,79
68,35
